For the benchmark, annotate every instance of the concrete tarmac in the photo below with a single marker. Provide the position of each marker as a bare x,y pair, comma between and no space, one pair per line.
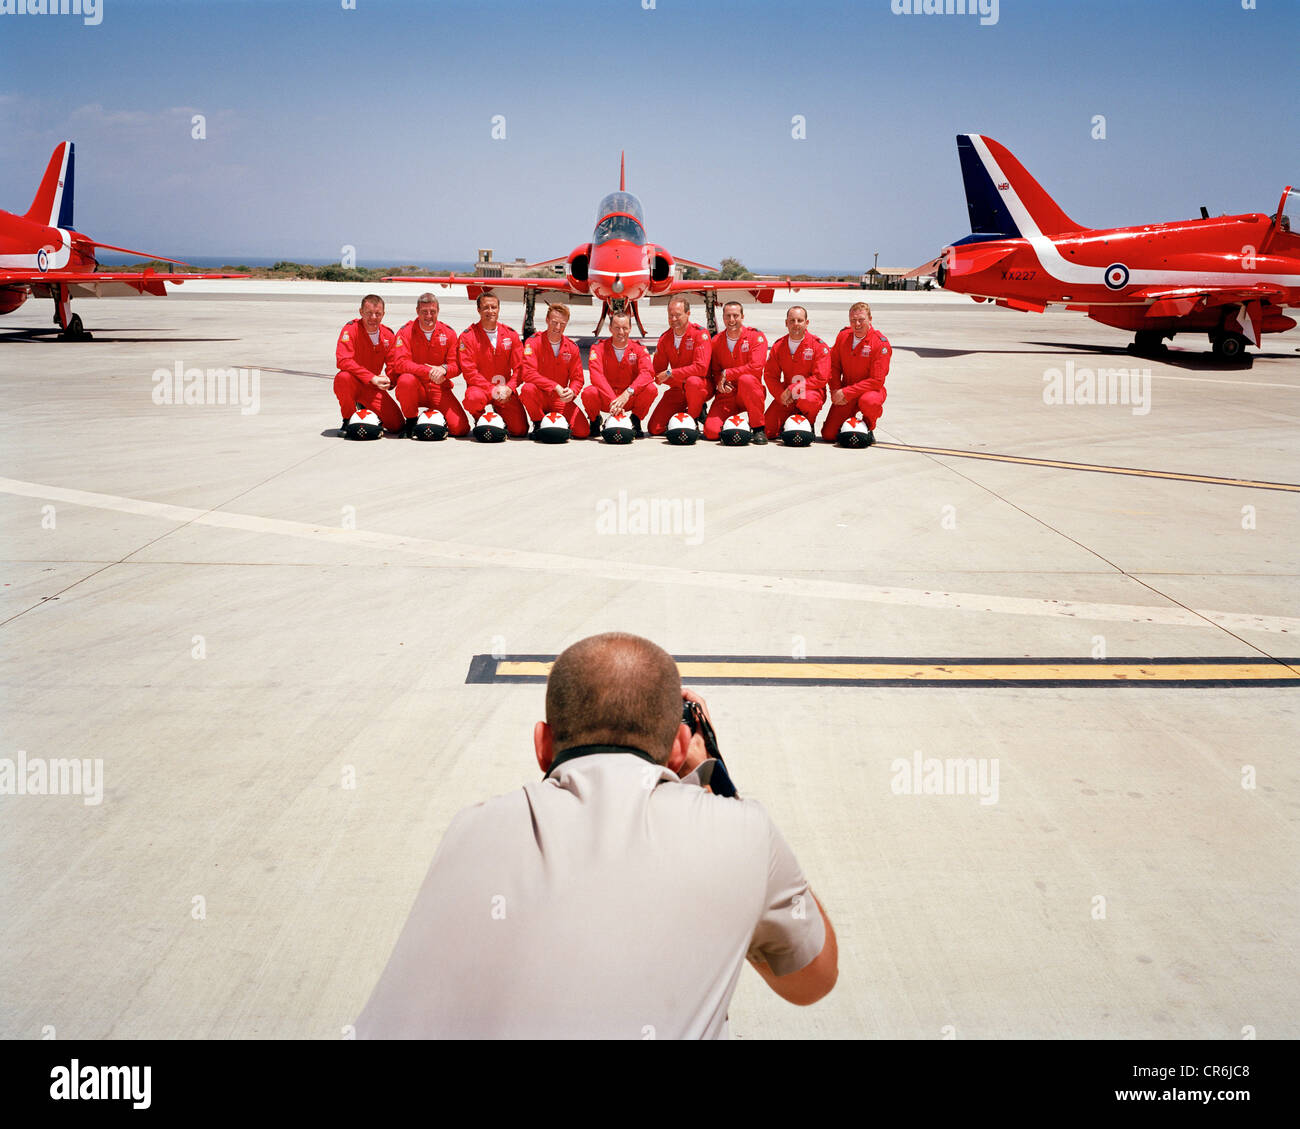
261,635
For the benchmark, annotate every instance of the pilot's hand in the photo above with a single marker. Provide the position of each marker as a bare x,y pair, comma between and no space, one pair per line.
787,397
437,373
565,394
381,382
838,398
501,392
619,403
725,386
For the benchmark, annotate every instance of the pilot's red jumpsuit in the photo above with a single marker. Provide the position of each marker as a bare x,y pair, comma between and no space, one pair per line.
742,367
806,370
610,378
688,388
543,373
414,356
359,361
484,368
860,374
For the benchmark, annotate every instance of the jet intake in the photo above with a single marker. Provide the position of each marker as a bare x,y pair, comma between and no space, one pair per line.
579,261
661,270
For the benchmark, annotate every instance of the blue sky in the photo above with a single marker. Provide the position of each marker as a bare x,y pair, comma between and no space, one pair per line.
373,127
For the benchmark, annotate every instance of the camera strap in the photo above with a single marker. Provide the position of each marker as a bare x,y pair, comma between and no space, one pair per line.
592,750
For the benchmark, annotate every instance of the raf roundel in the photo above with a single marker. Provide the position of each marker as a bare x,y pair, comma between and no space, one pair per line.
364,425
42,260
491,428
618,428
1117,276
682,430
552,428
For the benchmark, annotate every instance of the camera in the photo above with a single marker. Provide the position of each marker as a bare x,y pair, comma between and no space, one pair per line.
694,719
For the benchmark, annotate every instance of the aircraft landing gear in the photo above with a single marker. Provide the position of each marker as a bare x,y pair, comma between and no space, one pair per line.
75,331
1229,346
1148,343
530,306
710,304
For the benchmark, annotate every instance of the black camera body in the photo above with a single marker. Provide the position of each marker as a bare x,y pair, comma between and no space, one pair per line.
696,722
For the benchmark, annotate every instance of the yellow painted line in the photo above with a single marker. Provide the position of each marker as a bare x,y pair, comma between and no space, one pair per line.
1098,468
957,671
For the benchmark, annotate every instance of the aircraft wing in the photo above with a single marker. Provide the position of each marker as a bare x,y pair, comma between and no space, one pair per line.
1247,317
99,284
476,283
1178,301
760,289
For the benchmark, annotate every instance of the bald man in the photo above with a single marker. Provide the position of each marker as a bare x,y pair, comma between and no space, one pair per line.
615,898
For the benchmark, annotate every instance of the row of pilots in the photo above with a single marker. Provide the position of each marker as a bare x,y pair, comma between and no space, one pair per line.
394,375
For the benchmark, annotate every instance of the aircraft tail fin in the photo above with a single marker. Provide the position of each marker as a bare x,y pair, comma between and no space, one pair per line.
53,204
1004,201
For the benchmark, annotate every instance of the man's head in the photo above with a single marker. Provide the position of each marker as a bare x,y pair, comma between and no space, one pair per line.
372,312
860,318
679,315
796,322
614,689
426,309
620,329
733,317
557,317
489,309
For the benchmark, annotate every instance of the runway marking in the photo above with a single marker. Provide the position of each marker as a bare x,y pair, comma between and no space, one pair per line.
760,670
1098,468
733,584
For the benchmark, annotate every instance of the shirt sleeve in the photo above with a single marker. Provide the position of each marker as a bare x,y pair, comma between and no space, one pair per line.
791,933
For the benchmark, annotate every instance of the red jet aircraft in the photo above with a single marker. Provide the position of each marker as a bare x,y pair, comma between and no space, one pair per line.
1229,276
618,268
41,255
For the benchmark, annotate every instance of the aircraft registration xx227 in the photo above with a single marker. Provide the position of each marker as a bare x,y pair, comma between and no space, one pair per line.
619,267
41,254
1228,276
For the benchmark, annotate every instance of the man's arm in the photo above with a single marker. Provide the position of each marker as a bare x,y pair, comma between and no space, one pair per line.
815,979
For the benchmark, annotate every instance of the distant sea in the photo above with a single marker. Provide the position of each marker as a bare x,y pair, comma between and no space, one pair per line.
210,262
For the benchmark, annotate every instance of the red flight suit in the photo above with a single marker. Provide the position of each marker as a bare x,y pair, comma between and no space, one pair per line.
742,367
542,375
860,374
610,378
415,355
359,361
485,368
806,371
688,387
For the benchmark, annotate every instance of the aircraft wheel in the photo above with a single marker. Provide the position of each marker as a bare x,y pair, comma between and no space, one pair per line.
76,330
1148,343
1229,346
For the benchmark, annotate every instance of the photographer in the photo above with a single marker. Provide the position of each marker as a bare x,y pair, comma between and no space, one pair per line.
615,898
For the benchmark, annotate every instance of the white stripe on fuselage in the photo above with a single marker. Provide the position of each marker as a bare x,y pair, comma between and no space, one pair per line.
55,260
1076,274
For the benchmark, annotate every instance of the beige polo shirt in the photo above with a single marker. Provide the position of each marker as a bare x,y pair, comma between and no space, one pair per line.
609,901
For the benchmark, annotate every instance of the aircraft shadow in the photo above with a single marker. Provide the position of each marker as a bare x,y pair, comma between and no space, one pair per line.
52,335
1178,358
